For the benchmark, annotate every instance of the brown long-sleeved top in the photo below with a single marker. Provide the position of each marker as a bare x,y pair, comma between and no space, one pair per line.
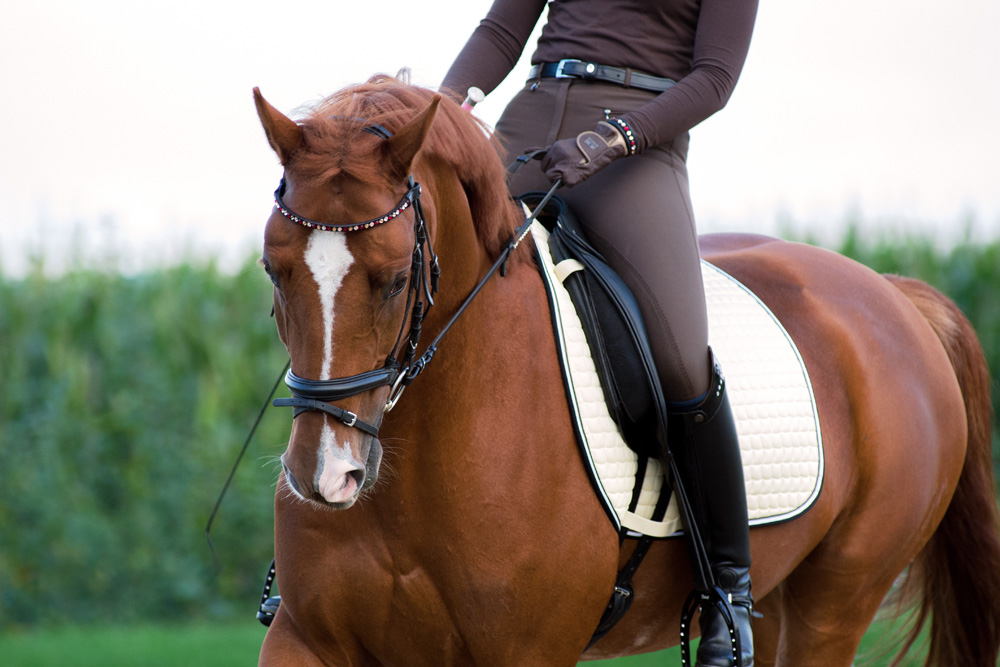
701,44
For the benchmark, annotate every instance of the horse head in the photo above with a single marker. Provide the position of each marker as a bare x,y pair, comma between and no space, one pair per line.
351,278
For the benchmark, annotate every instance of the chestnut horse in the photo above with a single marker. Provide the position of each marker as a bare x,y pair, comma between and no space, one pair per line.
466,531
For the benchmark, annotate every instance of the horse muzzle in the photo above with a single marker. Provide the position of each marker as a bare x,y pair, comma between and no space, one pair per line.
339,477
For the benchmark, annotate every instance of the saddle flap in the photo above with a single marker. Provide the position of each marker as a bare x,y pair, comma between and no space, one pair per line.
614,330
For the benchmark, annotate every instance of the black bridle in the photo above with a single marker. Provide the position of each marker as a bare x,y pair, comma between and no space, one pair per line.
423,284
318,395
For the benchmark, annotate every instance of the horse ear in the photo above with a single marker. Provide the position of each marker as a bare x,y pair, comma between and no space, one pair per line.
282,132
402,147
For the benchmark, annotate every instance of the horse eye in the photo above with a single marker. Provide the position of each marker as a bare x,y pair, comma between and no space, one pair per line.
398,286
267,270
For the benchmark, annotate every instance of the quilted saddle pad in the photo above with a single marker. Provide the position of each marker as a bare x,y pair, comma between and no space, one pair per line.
769,390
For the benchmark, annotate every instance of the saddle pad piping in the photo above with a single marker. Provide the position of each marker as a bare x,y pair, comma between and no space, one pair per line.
564,364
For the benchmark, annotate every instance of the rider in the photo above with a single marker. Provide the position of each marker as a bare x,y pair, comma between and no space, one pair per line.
614,87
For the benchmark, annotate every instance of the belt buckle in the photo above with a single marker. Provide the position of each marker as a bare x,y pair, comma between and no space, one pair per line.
562,65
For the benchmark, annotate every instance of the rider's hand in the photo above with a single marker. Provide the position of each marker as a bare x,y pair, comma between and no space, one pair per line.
574,160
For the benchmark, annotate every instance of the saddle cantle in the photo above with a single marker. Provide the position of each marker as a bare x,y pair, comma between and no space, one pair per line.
769,387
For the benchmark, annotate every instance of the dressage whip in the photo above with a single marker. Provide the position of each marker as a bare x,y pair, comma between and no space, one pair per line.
232,473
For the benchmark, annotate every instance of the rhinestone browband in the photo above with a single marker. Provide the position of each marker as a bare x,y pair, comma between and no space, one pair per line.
404,204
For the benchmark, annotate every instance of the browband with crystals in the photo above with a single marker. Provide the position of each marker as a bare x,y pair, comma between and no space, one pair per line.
404,203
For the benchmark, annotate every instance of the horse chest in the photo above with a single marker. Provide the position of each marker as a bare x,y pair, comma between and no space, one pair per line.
431,618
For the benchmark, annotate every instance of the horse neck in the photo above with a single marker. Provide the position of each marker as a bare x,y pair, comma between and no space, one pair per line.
476,412
464,260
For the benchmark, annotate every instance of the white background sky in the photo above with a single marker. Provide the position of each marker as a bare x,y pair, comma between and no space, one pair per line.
134,121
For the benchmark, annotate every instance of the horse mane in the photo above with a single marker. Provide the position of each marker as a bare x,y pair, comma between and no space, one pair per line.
455,137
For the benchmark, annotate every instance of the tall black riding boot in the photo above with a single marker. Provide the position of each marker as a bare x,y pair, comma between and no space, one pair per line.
705,446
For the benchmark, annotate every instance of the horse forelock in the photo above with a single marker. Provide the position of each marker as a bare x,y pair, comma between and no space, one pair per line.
335,145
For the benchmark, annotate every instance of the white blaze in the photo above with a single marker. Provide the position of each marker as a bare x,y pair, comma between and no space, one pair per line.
329,259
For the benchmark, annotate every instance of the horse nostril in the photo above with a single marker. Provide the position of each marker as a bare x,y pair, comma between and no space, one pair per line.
291,481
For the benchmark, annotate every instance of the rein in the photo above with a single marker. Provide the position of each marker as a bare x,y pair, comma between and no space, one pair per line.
501,264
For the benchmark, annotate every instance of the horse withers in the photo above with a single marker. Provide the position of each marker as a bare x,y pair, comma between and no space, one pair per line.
461,528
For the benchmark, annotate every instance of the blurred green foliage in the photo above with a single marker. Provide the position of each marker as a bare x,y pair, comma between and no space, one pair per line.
124,401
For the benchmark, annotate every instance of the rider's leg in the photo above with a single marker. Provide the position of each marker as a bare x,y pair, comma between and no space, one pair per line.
653,247
704,444
637,213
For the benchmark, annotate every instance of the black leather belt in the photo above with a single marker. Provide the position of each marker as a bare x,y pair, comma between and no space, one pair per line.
578,69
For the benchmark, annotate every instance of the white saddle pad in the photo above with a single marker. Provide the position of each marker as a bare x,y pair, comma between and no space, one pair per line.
769,390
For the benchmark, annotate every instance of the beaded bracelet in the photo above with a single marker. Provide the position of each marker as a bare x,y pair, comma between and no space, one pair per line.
626,132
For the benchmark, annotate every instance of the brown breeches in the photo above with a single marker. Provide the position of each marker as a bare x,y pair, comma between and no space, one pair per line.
636,212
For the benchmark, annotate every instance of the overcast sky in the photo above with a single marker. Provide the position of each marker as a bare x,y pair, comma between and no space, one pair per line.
134,121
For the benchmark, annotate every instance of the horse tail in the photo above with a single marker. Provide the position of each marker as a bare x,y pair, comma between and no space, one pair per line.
955,579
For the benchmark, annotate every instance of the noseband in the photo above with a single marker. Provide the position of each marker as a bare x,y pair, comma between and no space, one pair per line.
317,395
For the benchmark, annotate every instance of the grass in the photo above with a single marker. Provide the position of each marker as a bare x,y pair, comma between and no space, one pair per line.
136,646
229,645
